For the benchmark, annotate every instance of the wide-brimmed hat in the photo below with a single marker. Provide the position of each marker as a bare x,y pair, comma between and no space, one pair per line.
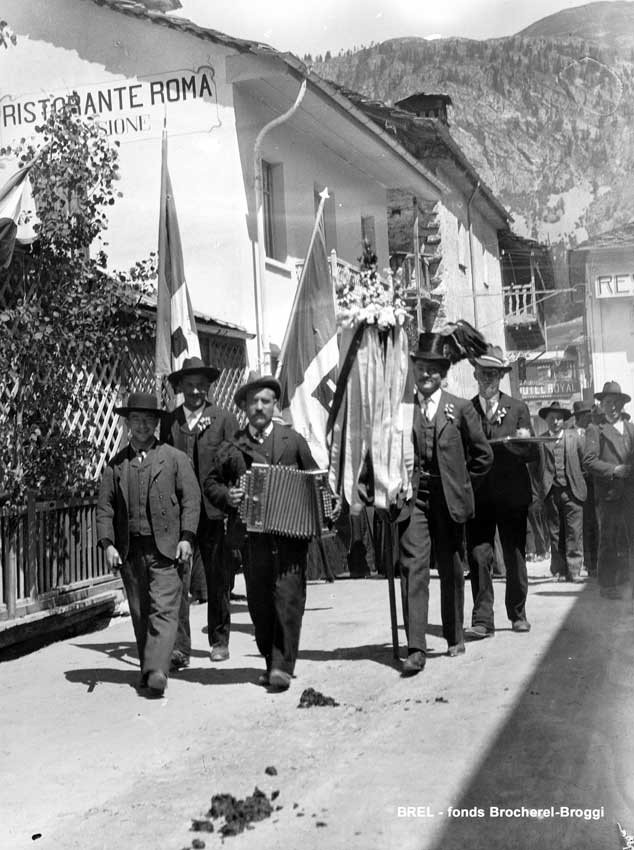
433,346
555,407
493,358
612,388
255,381
579,407
193,366
141,403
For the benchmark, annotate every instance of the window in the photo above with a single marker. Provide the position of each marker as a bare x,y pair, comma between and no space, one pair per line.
273,210
368,231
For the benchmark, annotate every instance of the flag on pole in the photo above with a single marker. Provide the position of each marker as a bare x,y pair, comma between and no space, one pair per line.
309,357
17,214
176,335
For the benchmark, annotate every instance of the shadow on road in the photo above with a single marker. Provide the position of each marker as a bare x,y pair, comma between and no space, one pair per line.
569,742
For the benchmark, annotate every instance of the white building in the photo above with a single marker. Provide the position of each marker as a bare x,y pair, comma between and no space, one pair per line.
135,69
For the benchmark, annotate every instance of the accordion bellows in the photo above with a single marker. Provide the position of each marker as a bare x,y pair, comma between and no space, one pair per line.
286,501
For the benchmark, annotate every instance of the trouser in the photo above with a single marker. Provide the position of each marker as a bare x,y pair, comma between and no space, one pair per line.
275,575
616,543
536,538
429,525
511,526
564,515
590,531
209,550
153,585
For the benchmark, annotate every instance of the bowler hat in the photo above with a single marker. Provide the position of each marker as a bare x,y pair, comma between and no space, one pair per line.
193,366
141,403
254,382
579,407
612,388
555,407
435,347
493,358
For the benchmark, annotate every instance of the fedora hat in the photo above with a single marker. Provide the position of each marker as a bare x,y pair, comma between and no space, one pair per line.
141,403
555,407
435,347
255,381
193,366
579,407
493,358
612,388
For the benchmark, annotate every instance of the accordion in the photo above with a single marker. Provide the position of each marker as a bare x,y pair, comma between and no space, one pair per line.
286,501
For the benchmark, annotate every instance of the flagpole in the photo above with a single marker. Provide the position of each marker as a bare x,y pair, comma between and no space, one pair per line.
323,197
158,377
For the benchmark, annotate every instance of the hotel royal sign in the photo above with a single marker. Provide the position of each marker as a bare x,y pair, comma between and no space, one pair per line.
126,109
614,286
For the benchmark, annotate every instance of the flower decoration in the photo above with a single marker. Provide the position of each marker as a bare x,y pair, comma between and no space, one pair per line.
449,412
502,411
369,298
203,423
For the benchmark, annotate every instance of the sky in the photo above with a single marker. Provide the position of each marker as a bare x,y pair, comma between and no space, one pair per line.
314,27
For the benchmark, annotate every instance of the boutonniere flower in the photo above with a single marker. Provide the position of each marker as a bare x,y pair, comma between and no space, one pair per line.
203,423
502,411
449,412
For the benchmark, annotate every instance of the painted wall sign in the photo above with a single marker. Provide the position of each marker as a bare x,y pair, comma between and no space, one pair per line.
122,107
614,285
550,389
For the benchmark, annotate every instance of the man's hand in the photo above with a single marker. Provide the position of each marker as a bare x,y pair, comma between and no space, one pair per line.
621,471
336,507
113,559
235,496
184,551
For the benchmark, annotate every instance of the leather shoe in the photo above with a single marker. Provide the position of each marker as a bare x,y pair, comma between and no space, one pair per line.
178,661
157,681
575,580
478,632
263,679
456,649
219,652
521,626
414,663
279,679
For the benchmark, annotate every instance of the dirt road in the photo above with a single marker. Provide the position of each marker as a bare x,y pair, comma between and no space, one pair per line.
542,721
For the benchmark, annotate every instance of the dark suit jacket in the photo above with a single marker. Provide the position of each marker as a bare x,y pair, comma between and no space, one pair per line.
463,453
236,456
605,449
573,449
174,430
174,501
507,485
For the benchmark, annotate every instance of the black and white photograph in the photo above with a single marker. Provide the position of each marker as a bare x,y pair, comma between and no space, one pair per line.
316,452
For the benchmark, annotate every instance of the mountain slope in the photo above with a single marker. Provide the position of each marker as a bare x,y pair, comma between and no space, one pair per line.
610,24
546,121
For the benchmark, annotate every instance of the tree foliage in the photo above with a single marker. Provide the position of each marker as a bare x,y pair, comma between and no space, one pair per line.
68,321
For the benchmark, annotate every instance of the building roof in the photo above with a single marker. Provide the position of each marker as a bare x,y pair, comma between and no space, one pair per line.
295,66
620,237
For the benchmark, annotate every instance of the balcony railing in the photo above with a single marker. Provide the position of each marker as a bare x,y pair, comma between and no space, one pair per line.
341,272
520,305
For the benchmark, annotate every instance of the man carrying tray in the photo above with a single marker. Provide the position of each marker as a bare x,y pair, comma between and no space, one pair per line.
275,572
502,500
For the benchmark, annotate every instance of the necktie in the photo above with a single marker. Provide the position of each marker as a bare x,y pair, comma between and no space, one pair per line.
426,409
490,408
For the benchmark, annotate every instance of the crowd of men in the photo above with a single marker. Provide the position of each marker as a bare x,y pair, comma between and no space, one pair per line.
168,510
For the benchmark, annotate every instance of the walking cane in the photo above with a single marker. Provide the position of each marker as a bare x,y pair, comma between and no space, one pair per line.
388,560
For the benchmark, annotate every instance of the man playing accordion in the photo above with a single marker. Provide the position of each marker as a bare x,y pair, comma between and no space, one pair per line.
275,569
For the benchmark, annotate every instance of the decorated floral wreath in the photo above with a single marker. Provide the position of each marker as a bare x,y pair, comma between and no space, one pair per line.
371,299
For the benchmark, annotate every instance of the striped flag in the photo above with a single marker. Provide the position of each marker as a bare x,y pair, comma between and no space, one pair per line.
17,214
176,335
309,357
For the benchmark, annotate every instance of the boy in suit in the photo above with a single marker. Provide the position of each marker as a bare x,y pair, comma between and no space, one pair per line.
451,456
147,516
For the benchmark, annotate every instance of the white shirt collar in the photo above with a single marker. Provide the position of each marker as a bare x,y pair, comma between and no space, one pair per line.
620,426
432,402
494,399
260,436
192,417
